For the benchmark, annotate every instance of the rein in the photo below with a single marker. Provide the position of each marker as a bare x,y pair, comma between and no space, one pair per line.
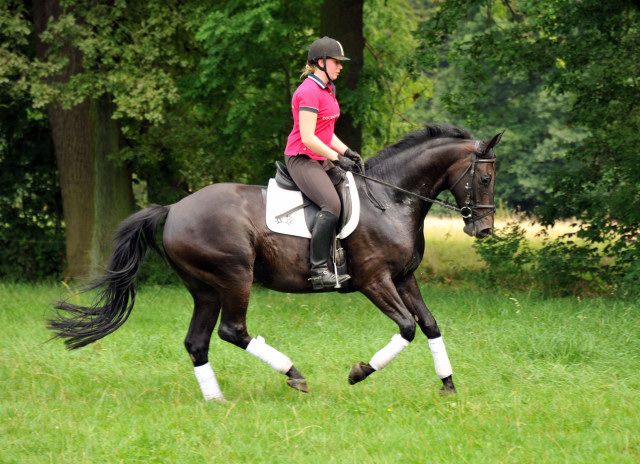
466,211
444,204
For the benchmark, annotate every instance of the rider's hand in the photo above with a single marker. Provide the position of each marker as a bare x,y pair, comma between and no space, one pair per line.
345,163
353,155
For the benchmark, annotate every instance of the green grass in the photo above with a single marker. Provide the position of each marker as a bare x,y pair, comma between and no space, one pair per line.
539,380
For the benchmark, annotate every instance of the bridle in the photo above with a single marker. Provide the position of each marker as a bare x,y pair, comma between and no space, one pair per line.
469,204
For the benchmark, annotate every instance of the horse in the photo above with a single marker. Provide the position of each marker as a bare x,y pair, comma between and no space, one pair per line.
217,241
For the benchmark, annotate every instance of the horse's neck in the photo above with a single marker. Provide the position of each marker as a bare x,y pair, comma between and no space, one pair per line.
422,171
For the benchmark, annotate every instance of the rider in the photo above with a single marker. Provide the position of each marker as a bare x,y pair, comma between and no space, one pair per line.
313,148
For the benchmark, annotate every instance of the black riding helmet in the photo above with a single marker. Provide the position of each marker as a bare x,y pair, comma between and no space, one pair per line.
324,48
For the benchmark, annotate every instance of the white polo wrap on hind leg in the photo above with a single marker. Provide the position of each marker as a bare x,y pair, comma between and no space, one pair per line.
440,358
386,354
208,383
270,355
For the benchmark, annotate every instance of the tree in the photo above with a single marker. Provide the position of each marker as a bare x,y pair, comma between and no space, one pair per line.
96,193
343,21
587,53
391,82
470,93
98,75
171,95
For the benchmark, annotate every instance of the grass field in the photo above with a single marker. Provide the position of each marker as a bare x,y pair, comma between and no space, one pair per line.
539,380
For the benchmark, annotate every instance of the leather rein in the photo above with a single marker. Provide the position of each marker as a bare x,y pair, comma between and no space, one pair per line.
466,211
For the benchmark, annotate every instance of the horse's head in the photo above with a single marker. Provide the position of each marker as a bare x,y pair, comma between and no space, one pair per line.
472,186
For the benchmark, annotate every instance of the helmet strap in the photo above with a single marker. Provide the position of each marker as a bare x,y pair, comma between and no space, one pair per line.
324,68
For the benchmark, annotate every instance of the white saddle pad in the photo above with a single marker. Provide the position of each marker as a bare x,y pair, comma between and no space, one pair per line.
280,201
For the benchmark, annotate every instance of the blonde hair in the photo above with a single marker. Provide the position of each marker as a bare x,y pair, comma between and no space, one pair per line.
308,69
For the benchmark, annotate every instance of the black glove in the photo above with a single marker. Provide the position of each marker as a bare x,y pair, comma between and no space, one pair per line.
353,155
345,163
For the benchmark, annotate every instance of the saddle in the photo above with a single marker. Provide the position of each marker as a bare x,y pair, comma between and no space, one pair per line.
290,212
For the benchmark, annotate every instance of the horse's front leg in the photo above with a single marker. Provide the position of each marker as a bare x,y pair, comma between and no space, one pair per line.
385,296
410,293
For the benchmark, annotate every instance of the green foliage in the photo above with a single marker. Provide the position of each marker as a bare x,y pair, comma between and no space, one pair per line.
566,267
178,156
129,51
630,284
507,254
560,266
253,54
132,52
390,83
583,56
469,92
31,226
31,230
17,48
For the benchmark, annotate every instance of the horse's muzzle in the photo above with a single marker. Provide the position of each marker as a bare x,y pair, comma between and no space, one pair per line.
473,229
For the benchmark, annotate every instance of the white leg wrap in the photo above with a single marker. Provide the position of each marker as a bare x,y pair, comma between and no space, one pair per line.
386,354
208,383
271,356
440,358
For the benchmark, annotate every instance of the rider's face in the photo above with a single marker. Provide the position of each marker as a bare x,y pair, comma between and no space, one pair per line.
333,68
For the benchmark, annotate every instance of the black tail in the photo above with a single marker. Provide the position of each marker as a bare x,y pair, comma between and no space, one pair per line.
113,304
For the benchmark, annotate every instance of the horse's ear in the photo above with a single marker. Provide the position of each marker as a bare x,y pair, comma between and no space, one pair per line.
486,145
494,141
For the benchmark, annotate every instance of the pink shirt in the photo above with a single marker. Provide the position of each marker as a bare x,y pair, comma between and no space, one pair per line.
315,96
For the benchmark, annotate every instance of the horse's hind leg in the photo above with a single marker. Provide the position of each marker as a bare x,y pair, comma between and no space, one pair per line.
233,329
410,294
205,315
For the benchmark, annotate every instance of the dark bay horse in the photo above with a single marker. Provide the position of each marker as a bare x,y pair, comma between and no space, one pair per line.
218,242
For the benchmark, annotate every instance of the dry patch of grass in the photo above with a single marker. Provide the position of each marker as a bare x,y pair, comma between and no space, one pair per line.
449,252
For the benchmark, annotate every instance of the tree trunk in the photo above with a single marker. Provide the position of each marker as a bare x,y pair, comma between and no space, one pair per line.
342,20
96,192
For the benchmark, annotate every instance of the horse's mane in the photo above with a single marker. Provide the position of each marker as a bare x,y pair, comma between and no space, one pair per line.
417,137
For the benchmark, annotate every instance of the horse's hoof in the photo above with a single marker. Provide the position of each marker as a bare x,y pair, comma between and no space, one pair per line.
359,372
448,387
444,391
298,384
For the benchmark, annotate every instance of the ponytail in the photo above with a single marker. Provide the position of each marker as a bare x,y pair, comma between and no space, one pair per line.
309,69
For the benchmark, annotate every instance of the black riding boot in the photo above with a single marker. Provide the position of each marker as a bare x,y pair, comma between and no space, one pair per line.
321,238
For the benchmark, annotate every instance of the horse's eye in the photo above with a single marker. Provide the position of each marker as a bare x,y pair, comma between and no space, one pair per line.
486,180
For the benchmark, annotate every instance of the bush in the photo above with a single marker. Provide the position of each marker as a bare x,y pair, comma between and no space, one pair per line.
630,281
31,228
561,266
507,254
32,254
564,267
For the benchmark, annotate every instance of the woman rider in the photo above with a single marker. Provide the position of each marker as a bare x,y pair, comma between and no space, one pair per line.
313,148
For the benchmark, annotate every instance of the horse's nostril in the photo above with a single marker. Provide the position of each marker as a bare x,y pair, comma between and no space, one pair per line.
486,232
